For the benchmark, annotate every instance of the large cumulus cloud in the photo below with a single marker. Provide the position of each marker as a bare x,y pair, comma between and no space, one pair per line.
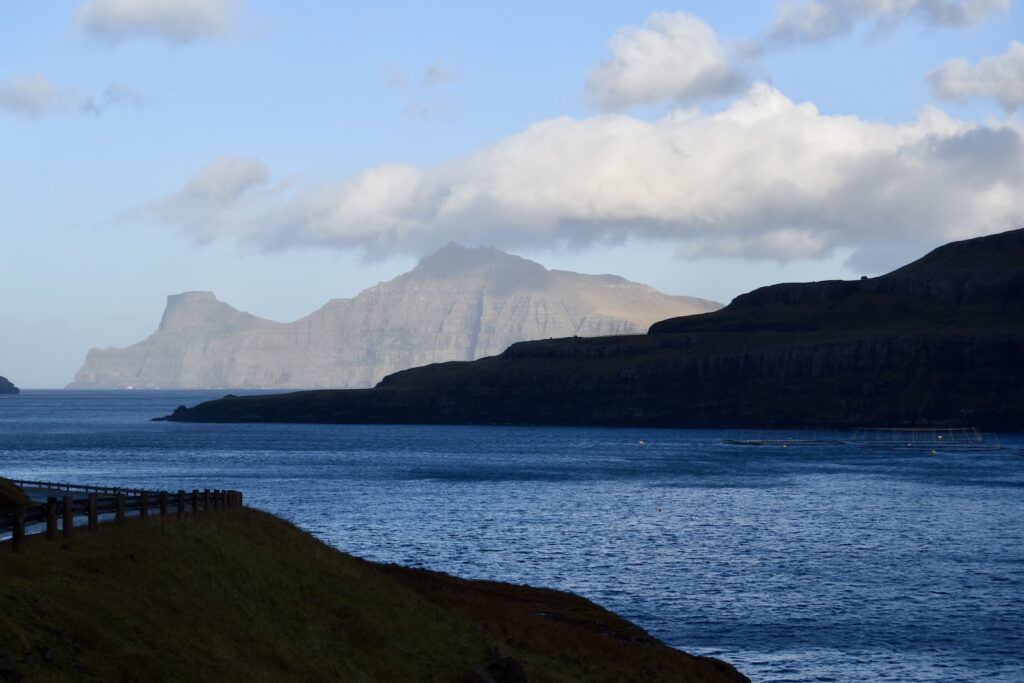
765,178
674,56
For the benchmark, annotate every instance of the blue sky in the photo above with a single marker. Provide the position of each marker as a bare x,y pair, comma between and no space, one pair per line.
330,134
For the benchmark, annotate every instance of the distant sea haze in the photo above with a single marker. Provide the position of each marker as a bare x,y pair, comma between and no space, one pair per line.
827,562
457,304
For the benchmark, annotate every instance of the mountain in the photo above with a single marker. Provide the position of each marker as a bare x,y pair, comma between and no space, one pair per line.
7,388
456,304
937,342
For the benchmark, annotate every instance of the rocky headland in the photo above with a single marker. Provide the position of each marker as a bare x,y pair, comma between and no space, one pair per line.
456,304
937,342
6,387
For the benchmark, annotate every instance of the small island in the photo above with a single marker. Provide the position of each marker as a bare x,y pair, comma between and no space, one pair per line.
6,387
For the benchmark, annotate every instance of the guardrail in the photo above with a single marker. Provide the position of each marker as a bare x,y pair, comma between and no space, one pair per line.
104,500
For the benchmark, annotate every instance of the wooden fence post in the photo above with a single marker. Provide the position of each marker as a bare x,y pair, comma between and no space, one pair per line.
195,500
51,518
163,503
181,503
18,533
206,500
69,515
94,517
120,507
144,504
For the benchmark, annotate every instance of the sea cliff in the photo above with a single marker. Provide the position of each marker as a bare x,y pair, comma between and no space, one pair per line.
937,342
456,304
6,387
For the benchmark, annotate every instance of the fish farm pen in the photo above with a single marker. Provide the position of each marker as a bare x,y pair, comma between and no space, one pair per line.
884,438
953,438
785,439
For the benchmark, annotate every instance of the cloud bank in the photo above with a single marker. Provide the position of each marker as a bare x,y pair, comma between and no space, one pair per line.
1000,78
674,56
766,178
809,21
175,21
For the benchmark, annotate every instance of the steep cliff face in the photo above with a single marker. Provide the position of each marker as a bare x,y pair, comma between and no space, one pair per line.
6,387
457,304
938,342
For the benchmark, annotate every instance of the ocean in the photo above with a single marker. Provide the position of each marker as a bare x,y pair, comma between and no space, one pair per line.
826,562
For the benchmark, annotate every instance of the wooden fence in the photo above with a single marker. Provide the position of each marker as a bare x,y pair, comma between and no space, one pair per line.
93,501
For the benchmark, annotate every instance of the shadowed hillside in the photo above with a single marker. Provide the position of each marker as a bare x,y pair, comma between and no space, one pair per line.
937,342
240,595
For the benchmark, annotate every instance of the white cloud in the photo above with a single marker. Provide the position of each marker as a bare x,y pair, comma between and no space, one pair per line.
176,21
33,95
1000,78
808,21
674,56
36,96
766,178
218,201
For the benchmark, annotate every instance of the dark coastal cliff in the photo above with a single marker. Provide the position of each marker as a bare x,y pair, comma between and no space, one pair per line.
6,387
939,341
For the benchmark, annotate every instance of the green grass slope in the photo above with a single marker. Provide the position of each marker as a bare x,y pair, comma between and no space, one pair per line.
240,595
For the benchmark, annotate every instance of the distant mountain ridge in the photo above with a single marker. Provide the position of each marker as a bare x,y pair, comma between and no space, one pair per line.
938,342
6,387
456,304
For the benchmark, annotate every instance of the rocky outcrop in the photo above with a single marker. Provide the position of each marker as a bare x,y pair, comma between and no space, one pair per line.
938,342
457,304
6,387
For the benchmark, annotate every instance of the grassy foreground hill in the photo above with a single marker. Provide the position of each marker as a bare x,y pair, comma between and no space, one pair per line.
241,595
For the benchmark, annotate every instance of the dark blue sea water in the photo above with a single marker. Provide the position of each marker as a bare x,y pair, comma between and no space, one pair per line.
823,563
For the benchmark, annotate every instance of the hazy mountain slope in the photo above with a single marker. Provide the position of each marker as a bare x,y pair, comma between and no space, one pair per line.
457,304
938,342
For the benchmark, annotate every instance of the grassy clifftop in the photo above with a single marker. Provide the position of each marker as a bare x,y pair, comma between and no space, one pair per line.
240,595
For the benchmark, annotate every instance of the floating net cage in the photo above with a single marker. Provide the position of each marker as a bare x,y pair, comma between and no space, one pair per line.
947,438
781,438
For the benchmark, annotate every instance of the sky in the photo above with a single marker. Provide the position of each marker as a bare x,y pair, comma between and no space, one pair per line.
283,154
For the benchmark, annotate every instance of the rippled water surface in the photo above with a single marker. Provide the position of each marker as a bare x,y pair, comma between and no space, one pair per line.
817,563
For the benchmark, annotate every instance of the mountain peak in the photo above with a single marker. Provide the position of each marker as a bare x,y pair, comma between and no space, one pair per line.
456,261
190,309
